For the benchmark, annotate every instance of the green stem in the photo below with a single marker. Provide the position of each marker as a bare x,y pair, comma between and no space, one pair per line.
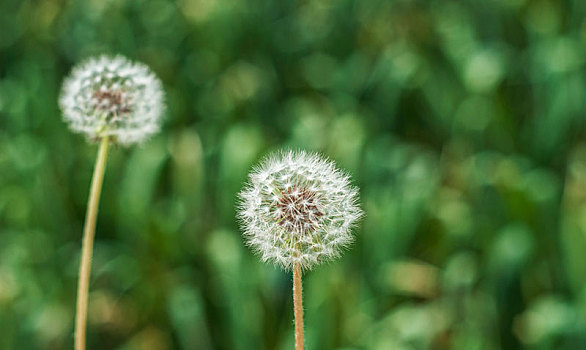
298,306
87,245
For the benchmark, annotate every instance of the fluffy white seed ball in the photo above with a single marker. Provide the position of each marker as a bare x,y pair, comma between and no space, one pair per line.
114,97
298,207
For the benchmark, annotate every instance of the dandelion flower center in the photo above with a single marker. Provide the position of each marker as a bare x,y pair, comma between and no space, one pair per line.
113,102
297,210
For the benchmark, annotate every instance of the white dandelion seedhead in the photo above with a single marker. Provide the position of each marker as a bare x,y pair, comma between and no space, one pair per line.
298,207
112,97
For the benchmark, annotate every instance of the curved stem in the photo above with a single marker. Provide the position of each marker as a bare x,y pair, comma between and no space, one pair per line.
87,245
298,306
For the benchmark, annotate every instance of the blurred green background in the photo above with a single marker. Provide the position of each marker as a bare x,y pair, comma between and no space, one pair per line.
461,121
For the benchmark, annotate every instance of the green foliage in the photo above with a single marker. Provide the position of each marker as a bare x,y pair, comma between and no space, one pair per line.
461,121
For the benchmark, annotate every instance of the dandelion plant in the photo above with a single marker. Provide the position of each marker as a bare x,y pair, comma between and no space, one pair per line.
297,210
109,100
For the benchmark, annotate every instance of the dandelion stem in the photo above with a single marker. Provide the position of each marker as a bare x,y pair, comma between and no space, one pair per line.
298,306
87,245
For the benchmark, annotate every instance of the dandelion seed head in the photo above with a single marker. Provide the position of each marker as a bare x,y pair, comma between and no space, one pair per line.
297,207
113,97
